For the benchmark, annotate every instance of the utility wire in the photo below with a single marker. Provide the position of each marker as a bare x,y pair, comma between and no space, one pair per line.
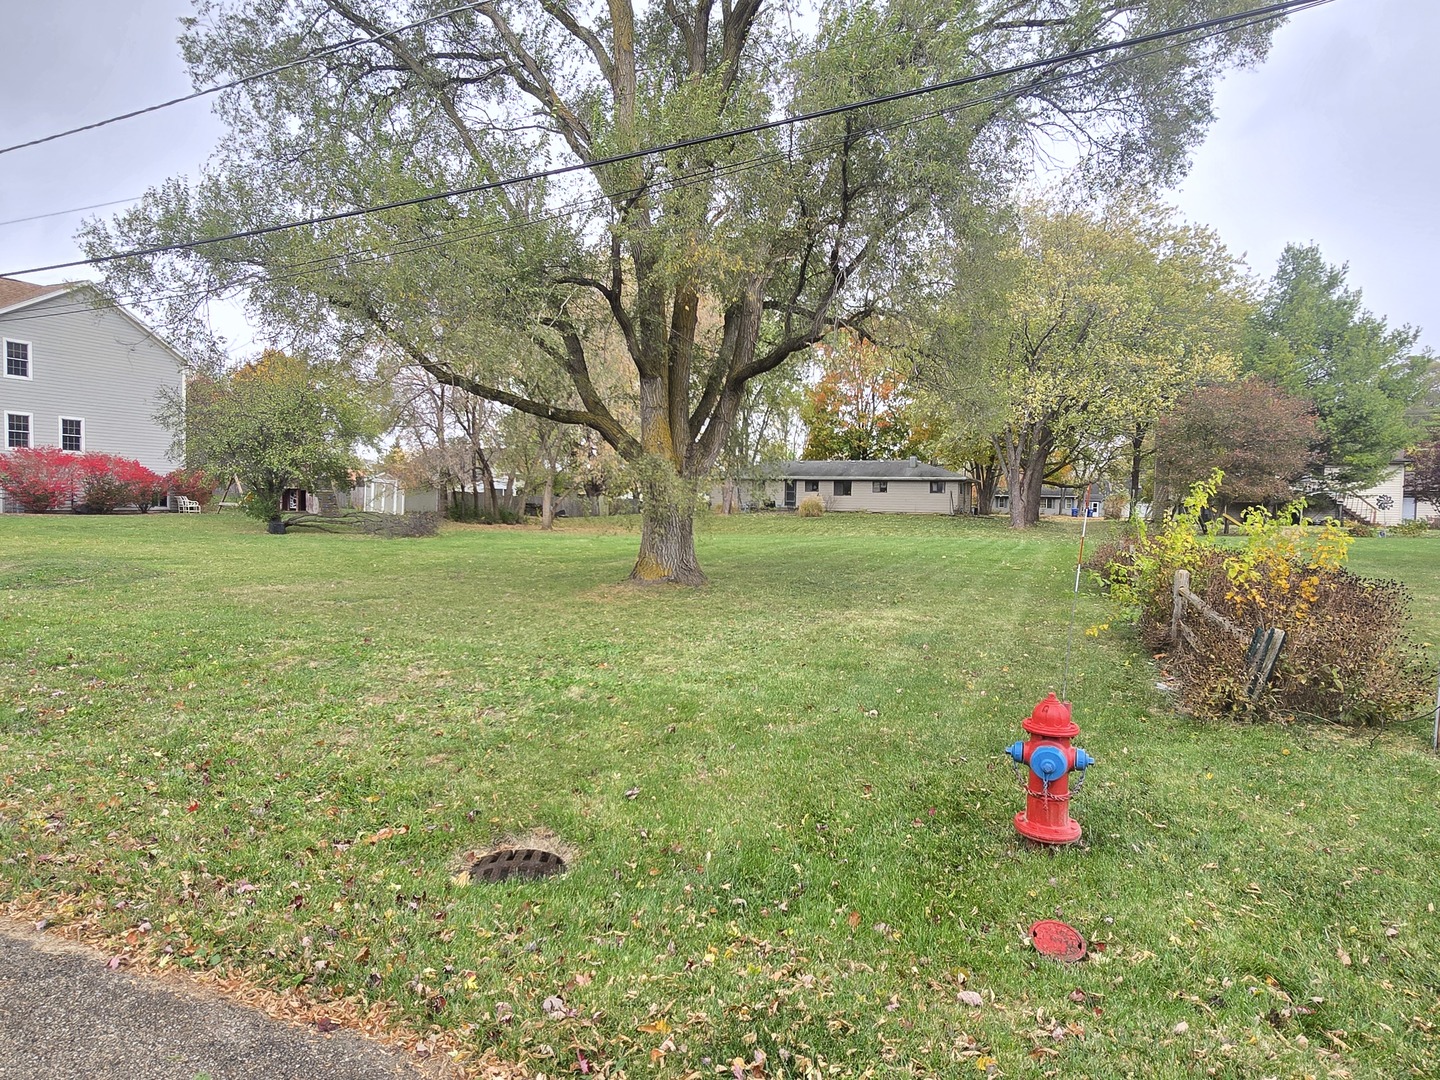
298,270
72,210
328,50
1271,10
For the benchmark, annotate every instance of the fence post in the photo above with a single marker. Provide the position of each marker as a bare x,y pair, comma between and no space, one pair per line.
1177,609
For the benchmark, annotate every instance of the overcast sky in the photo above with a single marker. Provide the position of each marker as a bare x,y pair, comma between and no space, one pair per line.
1334,139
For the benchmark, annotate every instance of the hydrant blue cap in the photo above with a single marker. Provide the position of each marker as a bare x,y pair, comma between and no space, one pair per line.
1048,762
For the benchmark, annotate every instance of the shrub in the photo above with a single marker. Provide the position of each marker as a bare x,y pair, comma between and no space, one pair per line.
39,478
261,505
194,484
811,506
1345,655
107,482
1410,528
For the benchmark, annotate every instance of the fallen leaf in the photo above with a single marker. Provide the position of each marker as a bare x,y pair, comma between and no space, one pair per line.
970,997
853,919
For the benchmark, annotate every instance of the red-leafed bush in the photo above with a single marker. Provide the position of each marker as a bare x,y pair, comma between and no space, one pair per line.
39,478
107,482
194,484
144,485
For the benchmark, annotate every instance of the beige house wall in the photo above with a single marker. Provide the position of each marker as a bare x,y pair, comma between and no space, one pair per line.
900,496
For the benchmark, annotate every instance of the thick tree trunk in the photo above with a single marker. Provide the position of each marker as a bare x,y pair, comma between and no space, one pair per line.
667,541
988,478
1023,455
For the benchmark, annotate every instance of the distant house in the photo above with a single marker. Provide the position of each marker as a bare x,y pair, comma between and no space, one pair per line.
83,375
897,487
1061,500
1383,503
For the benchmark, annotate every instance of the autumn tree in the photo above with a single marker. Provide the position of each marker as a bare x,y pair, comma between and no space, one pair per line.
859,407
1076,328
1312,336
1259,435
785,233
276,423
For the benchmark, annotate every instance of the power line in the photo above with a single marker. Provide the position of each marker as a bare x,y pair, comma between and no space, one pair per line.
298,270
72,210
1269,11
328,50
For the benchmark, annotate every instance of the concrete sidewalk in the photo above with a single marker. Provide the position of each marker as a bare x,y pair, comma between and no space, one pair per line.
65,1016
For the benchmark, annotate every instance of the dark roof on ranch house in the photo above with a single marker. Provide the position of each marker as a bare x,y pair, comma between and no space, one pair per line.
908,469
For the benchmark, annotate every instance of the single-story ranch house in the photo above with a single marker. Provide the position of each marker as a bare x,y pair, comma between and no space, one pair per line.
898,487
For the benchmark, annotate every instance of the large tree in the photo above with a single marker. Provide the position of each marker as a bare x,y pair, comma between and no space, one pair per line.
782,235
1312,336
1074,329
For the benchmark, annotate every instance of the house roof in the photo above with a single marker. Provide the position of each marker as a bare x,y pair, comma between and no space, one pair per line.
14,291
908,469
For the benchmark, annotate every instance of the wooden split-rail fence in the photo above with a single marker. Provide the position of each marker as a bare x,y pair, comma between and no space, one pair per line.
1265,642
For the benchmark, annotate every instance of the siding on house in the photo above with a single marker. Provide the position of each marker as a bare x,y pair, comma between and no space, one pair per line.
1383,504
95,365
900,496
907,487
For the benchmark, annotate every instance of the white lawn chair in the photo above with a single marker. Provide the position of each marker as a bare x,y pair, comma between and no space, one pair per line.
187,506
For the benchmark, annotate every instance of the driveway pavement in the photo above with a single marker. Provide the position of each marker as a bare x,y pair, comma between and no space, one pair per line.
64,1015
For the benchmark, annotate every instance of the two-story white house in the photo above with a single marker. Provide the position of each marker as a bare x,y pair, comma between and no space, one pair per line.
82,375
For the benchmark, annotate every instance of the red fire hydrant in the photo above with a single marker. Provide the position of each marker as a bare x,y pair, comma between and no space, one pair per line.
1052,759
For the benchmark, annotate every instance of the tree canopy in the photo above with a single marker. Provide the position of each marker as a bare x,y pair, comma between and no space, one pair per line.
1312,336
859,408
276,423
1258,435
1075,327
703,266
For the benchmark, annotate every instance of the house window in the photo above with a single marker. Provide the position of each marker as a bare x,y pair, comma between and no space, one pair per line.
1002,502
17,359
17,430
812,485
880,486
937,487
842,487
72,434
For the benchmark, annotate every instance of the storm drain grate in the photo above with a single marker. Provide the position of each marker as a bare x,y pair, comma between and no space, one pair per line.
516,862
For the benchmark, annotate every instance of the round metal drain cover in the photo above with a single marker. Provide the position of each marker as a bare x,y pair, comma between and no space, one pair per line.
1057,939
516,862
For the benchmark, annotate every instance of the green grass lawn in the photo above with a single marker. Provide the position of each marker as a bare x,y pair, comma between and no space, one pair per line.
784,795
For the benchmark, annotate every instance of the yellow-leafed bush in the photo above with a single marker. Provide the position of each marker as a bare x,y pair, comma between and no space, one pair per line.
811,506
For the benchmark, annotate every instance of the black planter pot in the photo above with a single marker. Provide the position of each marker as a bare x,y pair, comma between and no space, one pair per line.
275,527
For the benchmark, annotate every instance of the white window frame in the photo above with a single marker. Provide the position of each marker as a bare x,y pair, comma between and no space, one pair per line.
31,426
29,359
60,427
938,487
